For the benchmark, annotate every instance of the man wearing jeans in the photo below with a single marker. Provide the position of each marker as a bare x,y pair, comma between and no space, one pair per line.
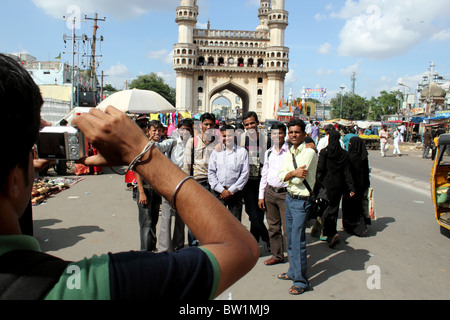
299,167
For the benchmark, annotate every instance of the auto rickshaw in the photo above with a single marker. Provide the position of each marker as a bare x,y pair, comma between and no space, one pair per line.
440,182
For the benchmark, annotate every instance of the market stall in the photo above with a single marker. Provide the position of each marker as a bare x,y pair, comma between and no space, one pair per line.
44,188
372,141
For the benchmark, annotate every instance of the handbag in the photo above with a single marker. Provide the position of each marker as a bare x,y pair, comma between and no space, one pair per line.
372,211
311,193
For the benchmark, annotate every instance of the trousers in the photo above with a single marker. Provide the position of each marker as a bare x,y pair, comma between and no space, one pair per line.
296,217
233,204
193,242
256,215
148,218
276,220
169,242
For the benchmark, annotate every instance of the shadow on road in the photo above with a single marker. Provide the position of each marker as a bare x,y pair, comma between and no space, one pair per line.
56,239
325,263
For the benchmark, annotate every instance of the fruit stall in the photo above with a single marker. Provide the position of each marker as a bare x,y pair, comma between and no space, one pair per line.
372,142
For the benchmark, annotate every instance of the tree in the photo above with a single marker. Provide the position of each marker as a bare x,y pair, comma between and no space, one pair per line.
387,103
155,83
109,88
354,107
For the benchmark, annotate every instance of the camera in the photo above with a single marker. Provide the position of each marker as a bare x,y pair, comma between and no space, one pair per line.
62,143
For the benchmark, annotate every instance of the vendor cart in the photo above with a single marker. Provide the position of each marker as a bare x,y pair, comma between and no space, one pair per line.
372,142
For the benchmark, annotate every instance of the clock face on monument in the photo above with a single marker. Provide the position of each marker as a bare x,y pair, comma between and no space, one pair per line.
231,61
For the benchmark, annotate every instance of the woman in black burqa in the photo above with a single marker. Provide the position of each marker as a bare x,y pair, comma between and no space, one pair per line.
354,214
333,173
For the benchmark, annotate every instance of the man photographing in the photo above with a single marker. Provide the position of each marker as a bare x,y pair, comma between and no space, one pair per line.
229,251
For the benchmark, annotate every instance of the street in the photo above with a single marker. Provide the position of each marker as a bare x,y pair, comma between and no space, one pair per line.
404,257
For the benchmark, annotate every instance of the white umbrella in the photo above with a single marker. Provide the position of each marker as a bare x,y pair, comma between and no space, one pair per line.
138,102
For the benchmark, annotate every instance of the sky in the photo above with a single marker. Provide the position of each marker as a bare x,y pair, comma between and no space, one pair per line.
383,41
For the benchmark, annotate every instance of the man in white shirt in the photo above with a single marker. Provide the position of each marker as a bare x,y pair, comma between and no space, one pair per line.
323,142
402,132
272,194
228,172
308,129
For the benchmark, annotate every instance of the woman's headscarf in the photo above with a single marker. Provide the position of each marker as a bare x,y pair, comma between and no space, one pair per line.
357,149
359,163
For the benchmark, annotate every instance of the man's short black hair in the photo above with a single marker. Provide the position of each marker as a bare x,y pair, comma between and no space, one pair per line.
279,126
329,128
226,127
155,124
186,122
297,122
208,116
250,114
20,104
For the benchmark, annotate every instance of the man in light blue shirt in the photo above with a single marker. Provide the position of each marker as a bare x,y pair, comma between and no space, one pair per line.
228,172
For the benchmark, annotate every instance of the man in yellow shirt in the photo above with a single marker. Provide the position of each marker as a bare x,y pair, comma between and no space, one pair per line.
299,171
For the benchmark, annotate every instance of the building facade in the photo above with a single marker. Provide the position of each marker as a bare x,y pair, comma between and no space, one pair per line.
251,65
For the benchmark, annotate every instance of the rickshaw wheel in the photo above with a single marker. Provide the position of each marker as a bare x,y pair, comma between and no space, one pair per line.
445,232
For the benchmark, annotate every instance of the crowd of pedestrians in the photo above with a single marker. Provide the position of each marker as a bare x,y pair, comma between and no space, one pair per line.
274,179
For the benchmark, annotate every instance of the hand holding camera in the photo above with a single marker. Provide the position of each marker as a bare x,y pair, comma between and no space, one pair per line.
117,138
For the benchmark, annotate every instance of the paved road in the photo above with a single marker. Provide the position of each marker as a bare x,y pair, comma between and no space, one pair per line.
97,215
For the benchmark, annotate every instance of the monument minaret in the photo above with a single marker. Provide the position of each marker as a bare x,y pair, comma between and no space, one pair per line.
263,15
277,54
185,54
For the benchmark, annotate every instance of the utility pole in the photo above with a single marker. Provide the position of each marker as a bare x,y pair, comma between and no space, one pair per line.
103,75
353,81
342,96
74,38
94,44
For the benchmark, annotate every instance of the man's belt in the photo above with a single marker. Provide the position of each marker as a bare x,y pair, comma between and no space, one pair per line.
293,196
278,190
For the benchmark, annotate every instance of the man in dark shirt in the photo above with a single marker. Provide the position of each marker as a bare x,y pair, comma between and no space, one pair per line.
229,251
256,145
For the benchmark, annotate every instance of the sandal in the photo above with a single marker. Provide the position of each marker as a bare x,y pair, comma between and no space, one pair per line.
295,290
283,276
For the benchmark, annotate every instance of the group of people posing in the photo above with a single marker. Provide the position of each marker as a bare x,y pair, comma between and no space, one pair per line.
277,177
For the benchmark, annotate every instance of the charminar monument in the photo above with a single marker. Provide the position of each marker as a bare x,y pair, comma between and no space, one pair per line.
246,67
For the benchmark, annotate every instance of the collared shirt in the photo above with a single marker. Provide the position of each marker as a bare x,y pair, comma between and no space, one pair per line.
202,152
323,143
271,169
256,149
228,169
384,136
174,149
304,157
314,131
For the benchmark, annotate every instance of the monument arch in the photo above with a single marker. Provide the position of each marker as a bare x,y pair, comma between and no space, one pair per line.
250,64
